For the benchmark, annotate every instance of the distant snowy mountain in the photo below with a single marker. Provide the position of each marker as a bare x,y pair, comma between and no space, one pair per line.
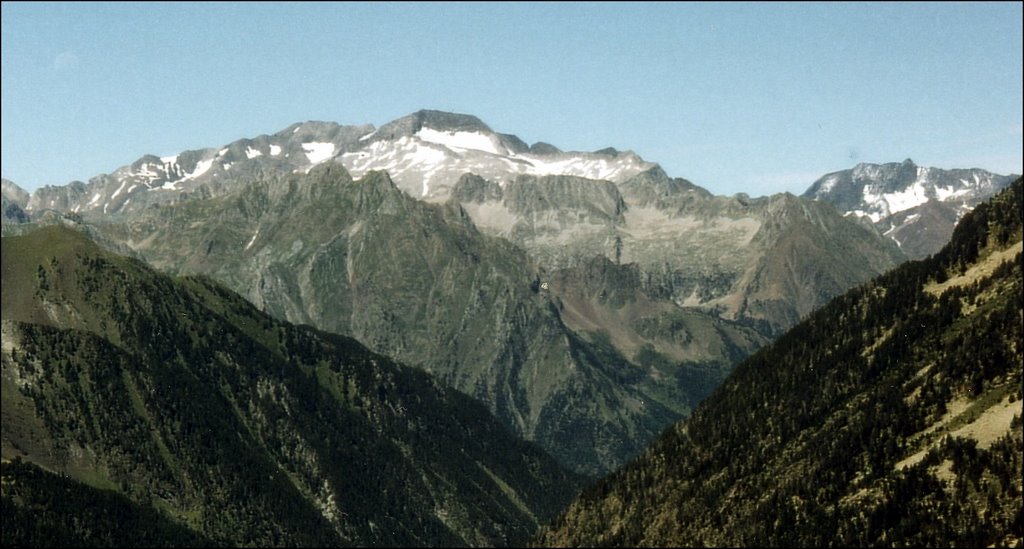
425,153
915,206
205,172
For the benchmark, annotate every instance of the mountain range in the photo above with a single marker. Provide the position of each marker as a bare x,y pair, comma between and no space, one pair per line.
425,153
588,298
279,288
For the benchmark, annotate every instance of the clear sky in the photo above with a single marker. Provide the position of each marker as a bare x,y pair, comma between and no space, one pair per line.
757,98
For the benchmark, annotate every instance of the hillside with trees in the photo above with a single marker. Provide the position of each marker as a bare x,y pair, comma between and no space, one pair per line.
140,407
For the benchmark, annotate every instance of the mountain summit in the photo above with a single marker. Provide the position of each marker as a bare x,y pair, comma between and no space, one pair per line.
915,206
434,120
428,151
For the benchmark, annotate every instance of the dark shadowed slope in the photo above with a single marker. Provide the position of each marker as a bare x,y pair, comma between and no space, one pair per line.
181,396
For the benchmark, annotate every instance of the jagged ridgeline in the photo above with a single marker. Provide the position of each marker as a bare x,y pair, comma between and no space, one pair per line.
138,408
890,417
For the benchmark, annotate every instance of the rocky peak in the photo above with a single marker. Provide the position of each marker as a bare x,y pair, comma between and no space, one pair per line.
655,186
325,176
408,126
13,193
542,148
315,130
376,191
891,194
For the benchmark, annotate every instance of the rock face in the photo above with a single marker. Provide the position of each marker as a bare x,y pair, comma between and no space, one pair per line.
915,206
248,430
763,262
890,416
12,213
14,194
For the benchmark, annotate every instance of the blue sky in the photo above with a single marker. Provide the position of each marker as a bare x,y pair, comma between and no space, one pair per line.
757,98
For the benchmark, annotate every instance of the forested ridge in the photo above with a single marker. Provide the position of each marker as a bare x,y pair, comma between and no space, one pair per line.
41,508
149,396
889,417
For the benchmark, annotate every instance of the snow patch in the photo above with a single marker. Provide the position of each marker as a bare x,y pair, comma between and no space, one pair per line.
909,220
426,163
828,184
875,217
946,193
119,189
395,157
582,166
275,150
889,203
147,170
253,239
169,159
251,153
459,140
317,152
202,167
